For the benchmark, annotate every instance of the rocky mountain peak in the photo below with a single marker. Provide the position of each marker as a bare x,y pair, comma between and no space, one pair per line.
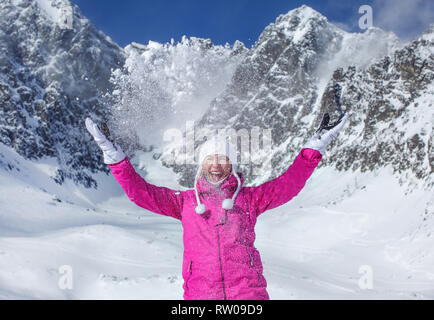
428,34
303,66
54,67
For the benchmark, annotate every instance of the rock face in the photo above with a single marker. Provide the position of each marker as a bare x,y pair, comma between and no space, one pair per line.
301,67
54,67
393,113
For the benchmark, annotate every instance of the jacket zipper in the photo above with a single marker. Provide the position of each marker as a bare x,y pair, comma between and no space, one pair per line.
220,260
218,241
189,273
189,266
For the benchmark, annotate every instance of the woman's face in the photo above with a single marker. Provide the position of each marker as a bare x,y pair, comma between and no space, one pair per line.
216,168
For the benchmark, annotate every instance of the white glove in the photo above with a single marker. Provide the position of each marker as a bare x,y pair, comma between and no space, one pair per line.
326,133
112,153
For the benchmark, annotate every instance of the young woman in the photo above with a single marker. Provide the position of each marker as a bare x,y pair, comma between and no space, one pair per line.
219,215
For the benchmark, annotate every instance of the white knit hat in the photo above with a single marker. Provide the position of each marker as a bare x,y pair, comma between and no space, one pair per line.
218,145
222,146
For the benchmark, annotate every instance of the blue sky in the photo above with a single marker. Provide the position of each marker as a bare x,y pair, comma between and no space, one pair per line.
224,21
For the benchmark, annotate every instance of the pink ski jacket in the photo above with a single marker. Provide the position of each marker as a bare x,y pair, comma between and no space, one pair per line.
220,260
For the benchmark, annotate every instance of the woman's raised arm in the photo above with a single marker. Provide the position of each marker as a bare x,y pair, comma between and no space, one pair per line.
153,198
280,190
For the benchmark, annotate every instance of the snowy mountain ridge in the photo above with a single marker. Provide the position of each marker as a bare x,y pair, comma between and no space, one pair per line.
52,77
369,204
284,76
282,80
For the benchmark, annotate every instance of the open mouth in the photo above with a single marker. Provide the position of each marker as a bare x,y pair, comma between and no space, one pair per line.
215,174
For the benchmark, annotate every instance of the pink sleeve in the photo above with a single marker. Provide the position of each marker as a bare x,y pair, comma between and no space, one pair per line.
156,199
280,190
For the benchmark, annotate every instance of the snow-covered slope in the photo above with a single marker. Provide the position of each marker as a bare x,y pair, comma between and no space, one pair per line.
312,248
113,248
366,207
